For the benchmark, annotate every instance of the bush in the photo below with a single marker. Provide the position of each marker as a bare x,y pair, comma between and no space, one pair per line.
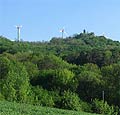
70,100
102,107
42,97
1,97
86,107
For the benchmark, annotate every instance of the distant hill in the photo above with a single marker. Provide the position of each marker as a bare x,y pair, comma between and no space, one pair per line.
81,73
79,49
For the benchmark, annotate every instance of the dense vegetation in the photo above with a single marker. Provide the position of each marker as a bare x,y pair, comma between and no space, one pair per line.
8,108
69,73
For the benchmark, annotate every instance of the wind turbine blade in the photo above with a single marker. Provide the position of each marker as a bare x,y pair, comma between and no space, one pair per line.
20,26
65,33
60,30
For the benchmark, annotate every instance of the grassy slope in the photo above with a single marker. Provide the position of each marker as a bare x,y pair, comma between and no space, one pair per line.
9,108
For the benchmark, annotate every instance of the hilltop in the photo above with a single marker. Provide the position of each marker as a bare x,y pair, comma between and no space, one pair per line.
79,49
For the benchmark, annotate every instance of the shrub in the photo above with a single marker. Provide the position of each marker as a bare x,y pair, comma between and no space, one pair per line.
42,97
1,97
70,100
102,107
86,107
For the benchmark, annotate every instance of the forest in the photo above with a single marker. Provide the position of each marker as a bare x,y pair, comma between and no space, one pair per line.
80,72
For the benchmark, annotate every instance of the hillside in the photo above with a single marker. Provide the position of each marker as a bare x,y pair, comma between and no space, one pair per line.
8,108
81,73
80,49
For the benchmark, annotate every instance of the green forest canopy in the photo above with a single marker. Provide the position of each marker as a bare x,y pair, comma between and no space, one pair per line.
68,73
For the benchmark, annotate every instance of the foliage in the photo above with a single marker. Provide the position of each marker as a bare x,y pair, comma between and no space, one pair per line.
1,97
111,76
90,82
87,107
52,62
70,101
102,107
14,83
60,79
79,68
42,97
32,69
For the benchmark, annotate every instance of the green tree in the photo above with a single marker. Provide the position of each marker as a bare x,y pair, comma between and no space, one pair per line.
70,101
111,76
32,69
63,76
15,83
42,97
60,79
90,82
52,62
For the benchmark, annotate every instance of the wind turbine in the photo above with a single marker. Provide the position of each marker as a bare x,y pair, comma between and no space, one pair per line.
18,32
63,32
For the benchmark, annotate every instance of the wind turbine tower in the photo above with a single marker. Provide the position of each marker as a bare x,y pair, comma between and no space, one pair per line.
18,32
63,32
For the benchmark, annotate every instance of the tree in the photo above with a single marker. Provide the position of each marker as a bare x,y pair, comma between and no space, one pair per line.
32,69
90,82
63,79
70,101
42,97
60,79
14,82
111,76
52,62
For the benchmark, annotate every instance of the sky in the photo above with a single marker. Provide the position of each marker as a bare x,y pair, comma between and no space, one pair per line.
43,19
